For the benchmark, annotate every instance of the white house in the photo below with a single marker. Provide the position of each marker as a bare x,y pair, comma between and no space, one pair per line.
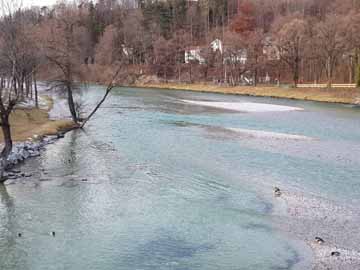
240,57
194,54
217,45
127,51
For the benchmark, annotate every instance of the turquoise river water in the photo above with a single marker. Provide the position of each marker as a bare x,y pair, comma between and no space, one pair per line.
169,186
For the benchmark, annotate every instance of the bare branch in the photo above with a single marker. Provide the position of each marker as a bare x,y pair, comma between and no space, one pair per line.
107,92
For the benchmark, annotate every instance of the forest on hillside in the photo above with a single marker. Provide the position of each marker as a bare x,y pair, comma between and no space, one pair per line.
229,41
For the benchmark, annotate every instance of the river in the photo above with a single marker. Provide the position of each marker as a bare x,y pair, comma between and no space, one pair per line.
158,180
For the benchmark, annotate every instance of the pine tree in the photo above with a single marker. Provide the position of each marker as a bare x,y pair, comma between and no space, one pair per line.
165,19
180,11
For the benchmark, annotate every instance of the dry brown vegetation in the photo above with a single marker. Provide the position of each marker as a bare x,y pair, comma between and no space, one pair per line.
338,95
25,123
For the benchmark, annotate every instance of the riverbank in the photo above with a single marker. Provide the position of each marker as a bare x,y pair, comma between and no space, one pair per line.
32,129
308,216
338,95
28,122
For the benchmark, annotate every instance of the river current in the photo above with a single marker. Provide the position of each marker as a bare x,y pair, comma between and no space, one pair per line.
158,180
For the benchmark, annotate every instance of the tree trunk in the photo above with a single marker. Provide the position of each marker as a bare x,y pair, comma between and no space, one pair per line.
71,104
351,70
279,76
31,87
21,88
14,85
329,72
296,79
190,73
5,126
107,92
36,92
255,76
27,87
358,75
296,72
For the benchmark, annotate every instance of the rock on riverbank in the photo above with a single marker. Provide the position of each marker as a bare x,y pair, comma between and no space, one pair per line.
28,149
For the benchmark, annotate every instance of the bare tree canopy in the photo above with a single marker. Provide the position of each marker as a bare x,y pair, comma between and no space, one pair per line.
174,40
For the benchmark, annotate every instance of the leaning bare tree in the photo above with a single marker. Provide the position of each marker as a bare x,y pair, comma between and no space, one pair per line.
109,88
10,53
62,45
63,54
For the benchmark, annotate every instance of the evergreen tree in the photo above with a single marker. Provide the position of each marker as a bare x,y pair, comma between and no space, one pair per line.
180,11
165,19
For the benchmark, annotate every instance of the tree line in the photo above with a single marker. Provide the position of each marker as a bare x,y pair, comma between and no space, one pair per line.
265,41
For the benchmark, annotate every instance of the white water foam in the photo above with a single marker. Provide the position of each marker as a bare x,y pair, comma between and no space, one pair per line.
268,134
245,106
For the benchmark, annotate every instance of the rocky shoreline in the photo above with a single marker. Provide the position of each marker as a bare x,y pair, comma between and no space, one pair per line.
309,218
25,150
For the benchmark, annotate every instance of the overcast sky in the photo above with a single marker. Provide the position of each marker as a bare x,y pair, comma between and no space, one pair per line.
40,3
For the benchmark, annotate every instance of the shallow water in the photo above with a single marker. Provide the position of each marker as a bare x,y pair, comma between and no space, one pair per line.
168,186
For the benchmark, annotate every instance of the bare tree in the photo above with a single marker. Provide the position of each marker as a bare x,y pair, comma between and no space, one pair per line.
235,57
352,20
63,51
255,43
109,88
106,51
331,43
10,55
291,42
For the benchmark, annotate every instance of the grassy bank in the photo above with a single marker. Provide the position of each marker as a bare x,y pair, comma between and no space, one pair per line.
25,123
338,95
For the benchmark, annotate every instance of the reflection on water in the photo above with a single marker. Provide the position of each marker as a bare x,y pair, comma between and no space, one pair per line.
166,252
166,185
7,209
